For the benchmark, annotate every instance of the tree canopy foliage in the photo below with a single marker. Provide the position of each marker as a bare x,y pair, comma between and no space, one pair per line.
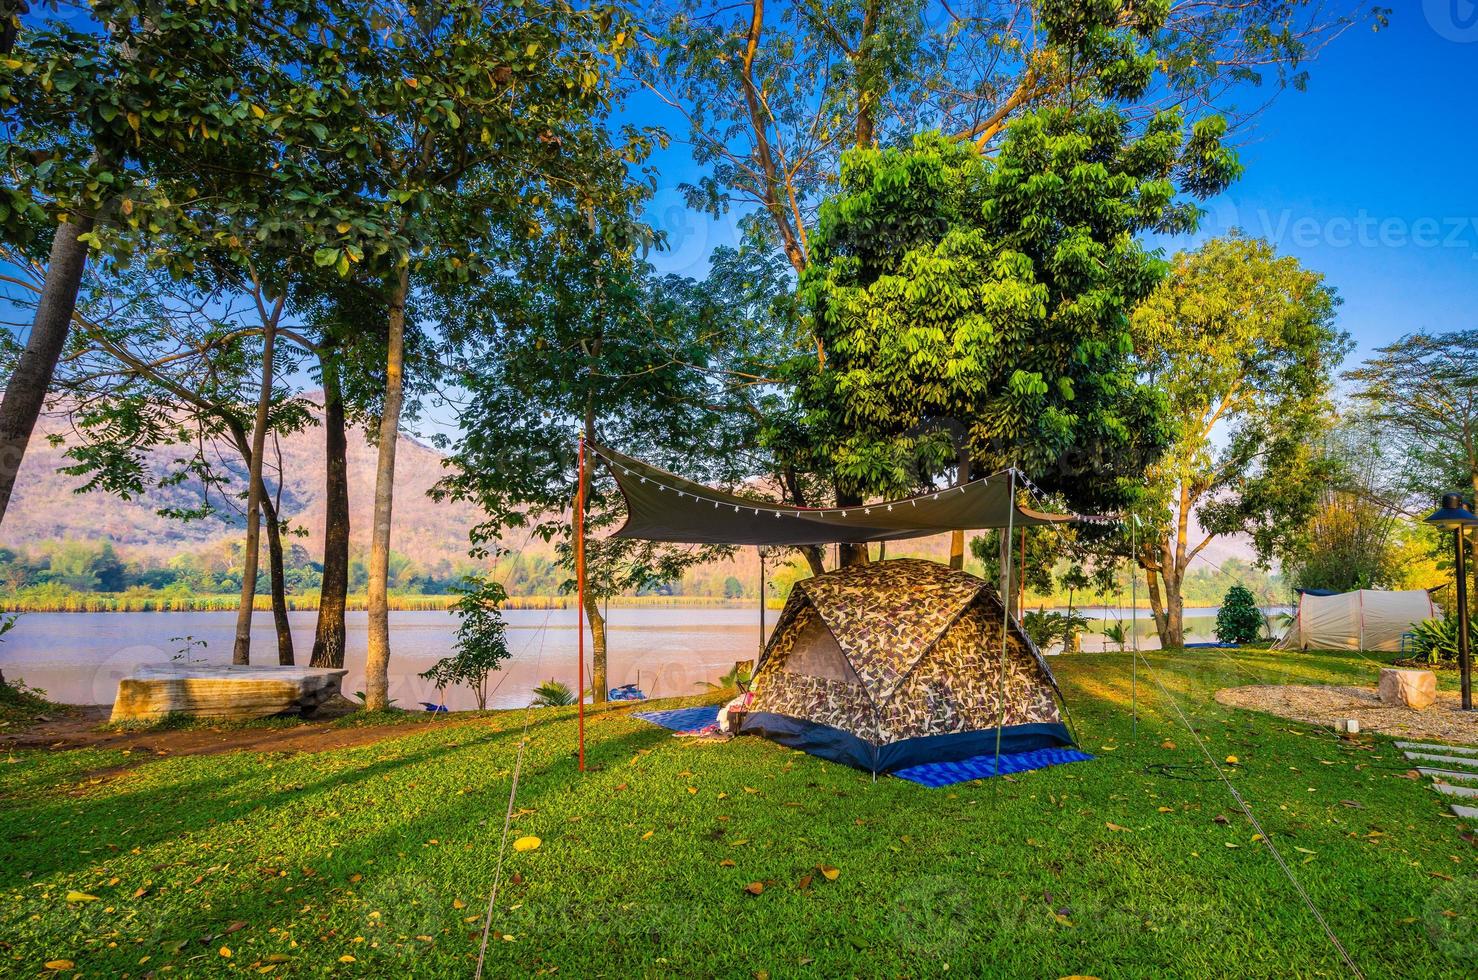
1241,343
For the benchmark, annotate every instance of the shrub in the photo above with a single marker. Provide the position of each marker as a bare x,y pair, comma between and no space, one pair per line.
481,643
1239,620
1435,640
1046,628
553,694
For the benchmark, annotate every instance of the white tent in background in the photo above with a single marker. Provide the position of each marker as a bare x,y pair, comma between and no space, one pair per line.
1363,620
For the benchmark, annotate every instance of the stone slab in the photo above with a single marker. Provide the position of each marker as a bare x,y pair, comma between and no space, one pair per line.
1446,773
1431,747
154,691
1451,790
1453,760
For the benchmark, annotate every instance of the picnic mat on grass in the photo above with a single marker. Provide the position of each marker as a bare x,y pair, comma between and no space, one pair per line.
937,774
686,720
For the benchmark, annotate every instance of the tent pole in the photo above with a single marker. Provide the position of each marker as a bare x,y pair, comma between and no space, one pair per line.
760,550
579,532
1005,616
1134,629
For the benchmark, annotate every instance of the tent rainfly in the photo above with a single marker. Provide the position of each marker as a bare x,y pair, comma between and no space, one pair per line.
896,663
1362,620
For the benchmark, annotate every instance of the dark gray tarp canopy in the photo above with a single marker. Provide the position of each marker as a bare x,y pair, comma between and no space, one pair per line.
663,507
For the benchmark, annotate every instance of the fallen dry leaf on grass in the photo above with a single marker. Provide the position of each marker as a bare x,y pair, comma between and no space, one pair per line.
1114,826
76,896
59,964
530,843
755,887
828,872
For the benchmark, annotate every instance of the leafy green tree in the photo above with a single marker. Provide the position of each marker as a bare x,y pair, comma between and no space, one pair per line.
482,643
474,132
137,124
1239,620
772,95
1241,345
1422,391
607,349
1351,540
945,286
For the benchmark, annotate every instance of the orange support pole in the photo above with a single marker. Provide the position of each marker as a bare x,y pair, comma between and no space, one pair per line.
579,532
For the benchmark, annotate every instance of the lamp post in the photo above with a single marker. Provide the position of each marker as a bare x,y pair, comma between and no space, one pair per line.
1454,516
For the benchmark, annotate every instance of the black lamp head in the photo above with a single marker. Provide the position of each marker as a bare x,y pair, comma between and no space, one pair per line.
1452,515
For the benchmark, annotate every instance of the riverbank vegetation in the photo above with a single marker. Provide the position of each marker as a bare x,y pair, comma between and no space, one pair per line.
1138,861
78,575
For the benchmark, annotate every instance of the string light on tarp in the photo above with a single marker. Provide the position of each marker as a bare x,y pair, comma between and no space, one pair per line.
822,513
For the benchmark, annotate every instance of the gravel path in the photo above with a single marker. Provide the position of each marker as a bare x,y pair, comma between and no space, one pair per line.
1326,705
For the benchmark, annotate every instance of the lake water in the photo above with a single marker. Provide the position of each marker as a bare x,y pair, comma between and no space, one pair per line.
78,658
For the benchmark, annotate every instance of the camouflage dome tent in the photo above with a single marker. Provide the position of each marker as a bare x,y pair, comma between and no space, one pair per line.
895,663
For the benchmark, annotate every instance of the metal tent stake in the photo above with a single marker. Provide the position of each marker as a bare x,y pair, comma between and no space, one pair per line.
579,532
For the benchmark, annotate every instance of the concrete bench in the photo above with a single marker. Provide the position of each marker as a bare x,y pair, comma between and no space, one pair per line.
221,691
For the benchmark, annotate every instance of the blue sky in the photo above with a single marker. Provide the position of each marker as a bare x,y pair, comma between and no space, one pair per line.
1367,177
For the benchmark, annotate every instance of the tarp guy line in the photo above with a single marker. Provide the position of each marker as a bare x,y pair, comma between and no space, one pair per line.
523,741
1256,824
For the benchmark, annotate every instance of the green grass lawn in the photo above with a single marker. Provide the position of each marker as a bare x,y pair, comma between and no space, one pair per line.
378,859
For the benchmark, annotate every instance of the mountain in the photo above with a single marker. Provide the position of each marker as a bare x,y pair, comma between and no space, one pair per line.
46,503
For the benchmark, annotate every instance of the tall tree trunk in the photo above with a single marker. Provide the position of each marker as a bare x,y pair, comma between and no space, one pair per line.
598,663
598,687
815,558
1010,573
957,538
377,656
328,640
1157,603
1174,634
279,590
241,651
850,554
814,555
277,575
25,393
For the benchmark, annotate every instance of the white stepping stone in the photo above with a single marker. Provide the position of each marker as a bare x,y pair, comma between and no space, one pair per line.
1446,773
1429,747
1467,812
1453,760
1451,790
